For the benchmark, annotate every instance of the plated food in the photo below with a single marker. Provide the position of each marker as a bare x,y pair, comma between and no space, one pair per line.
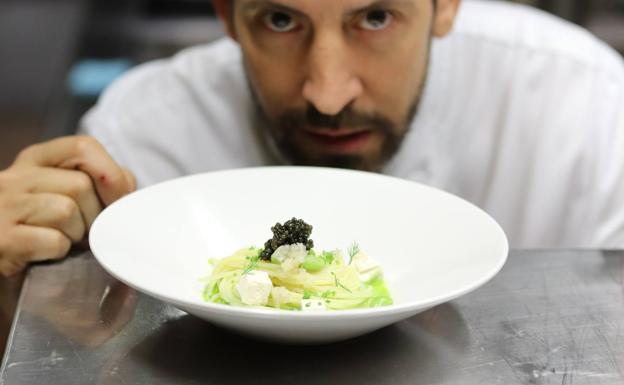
288,274
433,247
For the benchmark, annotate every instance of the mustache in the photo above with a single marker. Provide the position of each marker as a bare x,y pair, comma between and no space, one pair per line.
297,118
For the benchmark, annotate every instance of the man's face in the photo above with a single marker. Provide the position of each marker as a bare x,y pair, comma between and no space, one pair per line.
336,82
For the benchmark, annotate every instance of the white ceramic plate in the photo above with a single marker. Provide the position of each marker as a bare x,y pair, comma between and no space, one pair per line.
433,246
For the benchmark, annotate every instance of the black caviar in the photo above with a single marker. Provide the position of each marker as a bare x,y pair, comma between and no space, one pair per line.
292,231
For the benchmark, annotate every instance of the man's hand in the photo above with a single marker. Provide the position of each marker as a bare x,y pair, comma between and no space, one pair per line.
50,196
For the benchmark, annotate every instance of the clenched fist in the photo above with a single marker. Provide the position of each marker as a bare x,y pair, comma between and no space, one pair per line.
50,196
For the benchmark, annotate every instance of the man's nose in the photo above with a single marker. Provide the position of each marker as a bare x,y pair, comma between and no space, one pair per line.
331,83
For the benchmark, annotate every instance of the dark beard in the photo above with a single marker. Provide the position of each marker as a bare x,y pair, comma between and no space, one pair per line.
289,123
282,131
284,128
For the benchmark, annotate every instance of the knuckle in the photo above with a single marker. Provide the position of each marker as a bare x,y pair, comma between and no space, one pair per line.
28,152
86,144
82,185
8,204
130,179
59,245
65,209
117,178
8,179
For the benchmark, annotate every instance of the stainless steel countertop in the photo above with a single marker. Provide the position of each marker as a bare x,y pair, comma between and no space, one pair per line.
549,317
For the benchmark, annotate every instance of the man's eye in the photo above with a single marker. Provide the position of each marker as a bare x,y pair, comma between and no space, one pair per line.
279,22
376,20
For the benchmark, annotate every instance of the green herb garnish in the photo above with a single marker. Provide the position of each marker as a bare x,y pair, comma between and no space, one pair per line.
328,256
353,250
211,291
340,284
253,262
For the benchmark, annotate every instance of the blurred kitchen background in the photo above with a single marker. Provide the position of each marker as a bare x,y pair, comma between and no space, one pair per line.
56,57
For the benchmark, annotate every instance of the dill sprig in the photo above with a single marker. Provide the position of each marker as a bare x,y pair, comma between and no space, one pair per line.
339,284
353,250
253,262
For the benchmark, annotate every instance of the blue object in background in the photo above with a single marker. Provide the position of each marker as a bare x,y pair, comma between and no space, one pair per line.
89,77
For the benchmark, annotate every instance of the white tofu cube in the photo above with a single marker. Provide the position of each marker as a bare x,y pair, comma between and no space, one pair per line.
254,288
367,267
313,305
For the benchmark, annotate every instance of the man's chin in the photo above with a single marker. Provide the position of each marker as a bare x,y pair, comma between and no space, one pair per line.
358,152
348,161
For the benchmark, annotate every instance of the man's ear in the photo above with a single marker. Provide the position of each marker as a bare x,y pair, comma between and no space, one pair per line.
445,13
225,10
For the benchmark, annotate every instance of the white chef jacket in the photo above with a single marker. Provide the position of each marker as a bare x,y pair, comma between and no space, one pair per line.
522,114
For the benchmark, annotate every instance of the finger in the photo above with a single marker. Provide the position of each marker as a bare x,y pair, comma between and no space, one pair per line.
53,211
74,184
82,153
10,267
33,244
130,178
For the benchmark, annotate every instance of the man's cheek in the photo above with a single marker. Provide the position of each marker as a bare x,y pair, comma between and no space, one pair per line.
273,87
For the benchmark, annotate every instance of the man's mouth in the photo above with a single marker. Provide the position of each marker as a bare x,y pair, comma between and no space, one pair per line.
340,140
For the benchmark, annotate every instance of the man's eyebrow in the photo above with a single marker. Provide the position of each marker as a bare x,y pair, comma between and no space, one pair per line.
256,4
382,4
253,5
